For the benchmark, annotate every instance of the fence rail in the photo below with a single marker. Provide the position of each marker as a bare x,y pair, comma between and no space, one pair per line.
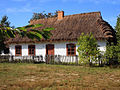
59,59
4,58
51,59
48,59
21,59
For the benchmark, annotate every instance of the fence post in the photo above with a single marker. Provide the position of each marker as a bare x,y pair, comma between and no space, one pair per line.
11,58
54,58
76,60
46,59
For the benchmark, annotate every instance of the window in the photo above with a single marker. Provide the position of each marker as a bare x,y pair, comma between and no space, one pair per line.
18,50
71,49
31,49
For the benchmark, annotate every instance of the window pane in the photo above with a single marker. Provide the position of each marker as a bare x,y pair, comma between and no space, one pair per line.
71,49
72,46
31,49
72,53
69,46
18,50
68,53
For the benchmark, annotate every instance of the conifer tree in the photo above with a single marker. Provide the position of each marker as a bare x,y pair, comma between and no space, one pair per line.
117,28
113,49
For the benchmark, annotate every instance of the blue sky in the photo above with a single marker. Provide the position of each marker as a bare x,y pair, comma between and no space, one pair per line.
19,12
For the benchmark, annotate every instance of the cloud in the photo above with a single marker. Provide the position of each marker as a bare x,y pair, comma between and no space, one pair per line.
26,8
36,1
19,0
106,1
12,10
43,1
95,1
79,1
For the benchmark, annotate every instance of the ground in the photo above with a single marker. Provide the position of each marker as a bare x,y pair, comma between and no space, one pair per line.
57,77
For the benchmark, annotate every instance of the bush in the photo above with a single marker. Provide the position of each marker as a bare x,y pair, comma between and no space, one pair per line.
88,49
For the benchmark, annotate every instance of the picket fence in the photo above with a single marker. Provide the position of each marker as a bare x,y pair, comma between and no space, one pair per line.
48,59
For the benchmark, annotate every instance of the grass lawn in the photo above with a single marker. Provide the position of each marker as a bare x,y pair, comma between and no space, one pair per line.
57,77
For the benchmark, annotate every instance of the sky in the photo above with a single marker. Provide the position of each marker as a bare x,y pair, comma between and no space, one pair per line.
19,12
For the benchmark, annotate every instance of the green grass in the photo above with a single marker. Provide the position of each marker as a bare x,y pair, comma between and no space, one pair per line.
57,77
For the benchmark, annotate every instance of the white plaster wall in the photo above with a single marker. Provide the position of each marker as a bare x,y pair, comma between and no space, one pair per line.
12,49
59,48
40,49
24,49
102,45
76,49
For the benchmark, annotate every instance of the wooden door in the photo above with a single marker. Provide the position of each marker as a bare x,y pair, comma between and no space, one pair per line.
50,49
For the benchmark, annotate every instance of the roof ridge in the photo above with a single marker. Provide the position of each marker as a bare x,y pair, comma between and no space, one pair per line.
43,19
97,12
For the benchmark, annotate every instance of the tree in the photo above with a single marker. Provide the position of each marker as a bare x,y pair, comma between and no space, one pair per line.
88,48
29,31
43,15
3,23
111,54
117,28
113,48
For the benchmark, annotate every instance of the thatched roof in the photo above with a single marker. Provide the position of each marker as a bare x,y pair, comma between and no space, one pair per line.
70,28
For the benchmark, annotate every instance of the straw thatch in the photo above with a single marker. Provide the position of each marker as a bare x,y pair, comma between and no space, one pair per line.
71,27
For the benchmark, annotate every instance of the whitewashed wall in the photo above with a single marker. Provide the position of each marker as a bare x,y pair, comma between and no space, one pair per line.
60,48
24,49
12,49
102,45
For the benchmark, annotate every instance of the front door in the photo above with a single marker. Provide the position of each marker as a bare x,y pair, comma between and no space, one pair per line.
50,49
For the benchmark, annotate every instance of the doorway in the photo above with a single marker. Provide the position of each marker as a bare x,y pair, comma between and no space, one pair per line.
50,49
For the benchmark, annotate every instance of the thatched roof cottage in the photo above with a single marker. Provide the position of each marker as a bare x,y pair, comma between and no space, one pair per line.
64,38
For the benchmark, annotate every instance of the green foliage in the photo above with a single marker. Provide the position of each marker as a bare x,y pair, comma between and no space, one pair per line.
29,31
111,53
117,28
4,21
43,15
88,48
4,24
32,32
113,49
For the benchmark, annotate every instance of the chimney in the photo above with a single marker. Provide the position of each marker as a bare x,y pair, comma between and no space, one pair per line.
60,15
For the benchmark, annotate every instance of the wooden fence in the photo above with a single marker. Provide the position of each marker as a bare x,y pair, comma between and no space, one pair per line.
59,59
48,59
21,59
4,58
